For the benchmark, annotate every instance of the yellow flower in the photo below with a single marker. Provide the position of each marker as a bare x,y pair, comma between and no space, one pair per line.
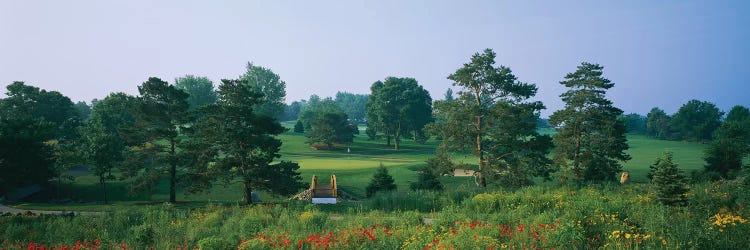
627,236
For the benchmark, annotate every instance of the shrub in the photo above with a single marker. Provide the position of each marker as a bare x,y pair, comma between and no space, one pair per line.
426,180
381,181
670,183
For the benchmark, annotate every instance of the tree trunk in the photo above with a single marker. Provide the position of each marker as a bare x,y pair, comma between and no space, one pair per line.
396,136
104,188
480,150
387,138
248,193
172,173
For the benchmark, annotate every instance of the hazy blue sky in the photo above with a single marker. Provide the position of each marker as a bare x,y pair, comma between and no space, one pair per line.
659,53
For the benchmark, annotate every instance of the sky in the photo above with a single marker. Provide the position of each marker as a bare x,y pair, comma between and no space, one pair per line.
658,53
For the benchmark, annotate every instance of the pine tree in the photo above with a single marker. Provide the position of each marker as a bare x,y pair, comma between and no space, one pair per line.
298,127
381,181
590,141
669,182
427,180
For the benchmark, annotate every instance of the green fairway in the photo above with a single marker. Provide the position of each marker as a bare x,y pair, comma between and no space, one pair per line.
354,168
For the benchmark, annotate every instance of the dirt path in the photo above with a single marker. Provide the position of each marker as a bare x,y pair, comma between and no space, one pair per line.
6,209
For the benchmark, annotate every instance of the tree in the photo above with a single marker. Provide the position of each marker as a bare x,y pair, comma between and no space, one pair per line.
200,90
397,106
105,137
426,180
731,143
448,95
634,123
246,140
160,114
32,122
265,81
492,118
298,127
590,137
315,107
669,182
293,110
696,120
329,128
353,105
103,150
381,182
84,110
657,124
24,157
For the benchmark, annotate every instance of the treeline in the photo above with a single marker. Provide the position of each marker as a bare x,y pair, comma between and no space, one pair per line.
186,134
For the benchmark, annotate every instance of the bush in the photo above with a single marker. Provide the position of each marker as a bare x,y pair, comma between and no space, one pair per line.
381,181
670,184
426,180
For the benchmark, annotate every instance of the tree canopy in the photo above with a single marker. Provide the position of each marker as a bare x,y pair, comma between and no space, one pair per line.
493,118
590,142
398,106
200,90
696,121
265,81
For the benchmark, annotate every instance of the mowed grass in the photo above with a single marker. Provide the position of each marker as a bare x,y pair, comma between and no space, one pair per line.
354,168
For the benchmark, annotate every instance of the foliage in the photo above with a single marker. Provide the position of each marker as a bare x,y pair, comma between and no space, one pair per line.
298,127
493,118
329,128
293,110
32,122
426,180
246,140
161,113
353,105
84,110
264,80
731,144
398,106
316,107
448,96
200,90
696,121
657,124
590,137
634,123
669,182
381,182
103,150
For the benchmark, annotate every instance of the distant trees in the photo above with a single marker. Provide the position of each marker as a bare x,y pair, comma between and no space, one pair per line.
696,120
381,182
328,128
493,118
353,105
200,90
265,81
657,124
590,141
731,144
399,106
634,123
298,127
426,180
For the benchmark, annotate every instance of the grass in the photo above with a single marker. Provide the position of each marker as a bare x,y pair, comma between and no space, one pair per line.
353,170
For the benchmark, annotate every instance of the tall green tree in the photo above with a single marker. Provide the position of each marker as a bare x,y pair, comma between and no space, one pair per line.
200,90
161,112
329,128
590,141
398,106
247,142
106,136
315,107
84,110
670,184
448,95
265,81
493,118
34,122
731,144
696,120
293,110
657,124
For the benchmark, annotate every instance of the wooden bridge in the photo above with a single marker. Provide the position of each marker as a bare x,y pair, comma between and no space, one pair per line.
329,190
